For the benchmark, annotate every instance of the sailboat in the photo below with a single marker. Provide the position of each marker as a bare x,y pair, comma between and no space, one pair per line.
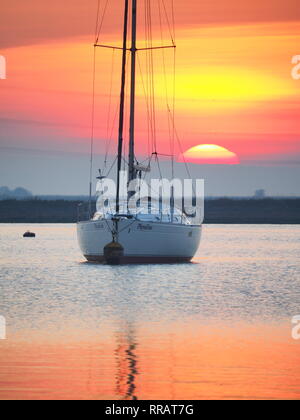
119,235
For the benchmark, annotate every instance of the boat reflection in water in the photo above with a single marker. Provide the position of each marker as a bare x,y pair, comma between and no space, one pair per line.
126,364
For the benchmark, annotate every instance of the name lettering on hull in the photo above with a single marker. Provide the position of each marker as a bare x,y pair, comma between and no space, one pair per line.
144,227
99,226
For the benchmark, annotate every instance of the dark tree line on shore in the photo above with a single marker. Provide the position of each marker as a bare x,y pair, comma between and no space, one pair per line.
223,210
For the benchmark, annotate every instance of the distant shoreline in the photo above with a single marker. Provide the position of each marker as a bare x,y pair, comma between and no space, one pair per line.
217,211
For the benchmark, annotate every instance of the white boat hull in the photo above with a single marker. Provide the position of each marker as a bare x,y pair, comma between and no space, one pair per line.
143,242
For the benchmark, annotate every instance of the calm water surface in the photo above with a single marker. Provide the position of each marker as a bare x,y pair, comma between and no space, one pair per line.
217,328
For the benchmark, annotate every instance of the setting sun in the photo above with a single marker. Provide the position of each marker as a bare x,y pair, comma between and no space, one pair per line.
210,154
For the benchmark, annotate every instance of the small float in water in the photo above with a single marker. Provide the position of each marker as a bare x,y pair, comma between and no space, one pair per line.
29,234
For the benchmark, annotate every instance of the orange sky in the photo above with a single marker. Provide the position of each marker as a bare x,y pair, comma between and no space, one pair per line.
234,86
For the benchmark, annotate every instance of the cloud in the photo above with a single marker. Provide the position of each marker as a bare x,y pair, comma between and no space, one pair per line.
31,21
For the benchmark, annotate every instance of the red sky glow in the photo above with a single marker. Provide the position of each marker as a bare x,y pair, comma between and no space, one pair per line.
233,78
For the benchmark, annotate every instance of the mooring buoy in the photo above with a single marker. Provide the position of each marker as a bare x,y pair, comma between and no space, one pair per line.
113,253
29,235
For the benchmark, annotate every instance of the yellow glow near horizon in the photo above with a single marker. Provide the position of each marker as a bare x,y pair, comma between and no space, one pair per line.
223,87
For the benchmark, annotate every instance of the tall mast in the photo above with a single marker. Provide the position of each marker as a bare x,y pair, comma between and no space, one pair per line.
132,171
122,102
